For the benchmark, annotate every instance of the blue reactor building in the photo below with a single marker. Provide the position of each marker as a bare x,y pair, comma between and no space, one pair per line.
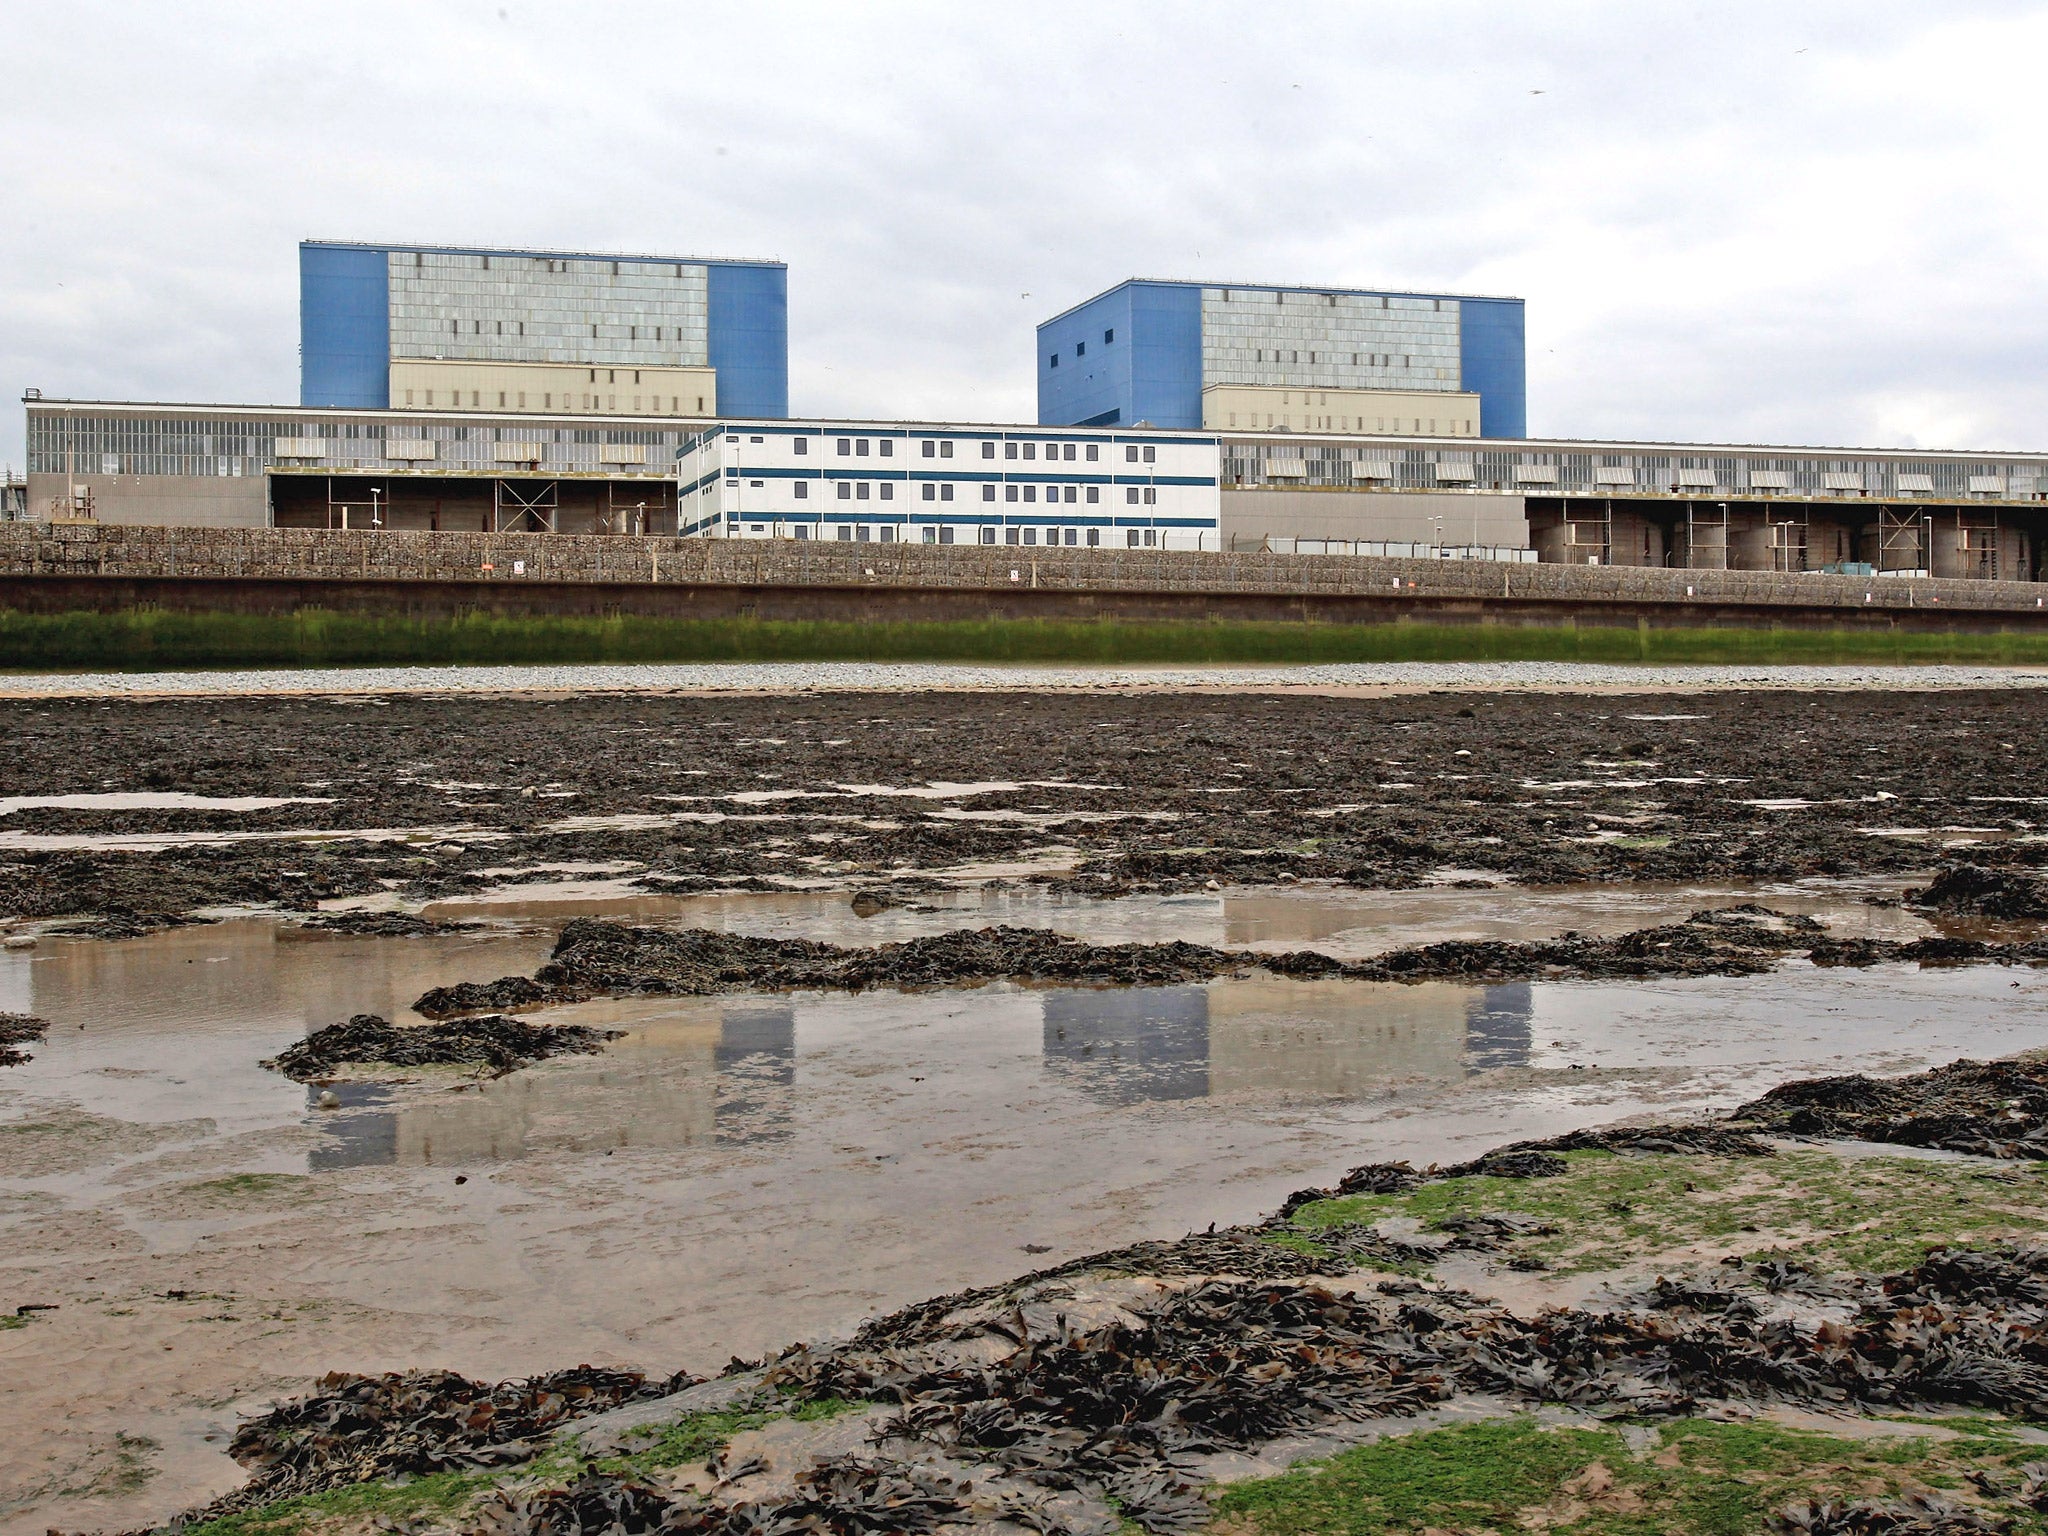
433,327
1231,357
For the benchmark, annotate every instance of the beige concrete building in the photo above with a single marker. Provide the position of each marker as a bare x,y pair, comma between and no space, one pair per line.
1367,412
553,388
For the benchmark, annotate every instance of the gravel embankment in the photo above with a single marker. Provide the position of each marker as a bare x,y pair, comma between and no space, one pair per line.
798,677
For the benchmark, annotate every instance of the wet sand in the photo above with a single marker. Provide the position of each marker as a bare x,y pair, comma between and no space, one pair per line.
735,1173
739,1172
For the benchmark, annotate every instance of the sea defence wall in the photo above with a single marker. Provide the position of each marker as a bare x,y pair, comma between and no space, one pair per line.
48,567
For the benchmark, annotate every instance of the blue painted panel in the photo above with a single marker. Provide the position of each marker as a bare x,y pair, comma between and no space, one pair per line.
1166,356
1095,387
344,327
749,339
1493,363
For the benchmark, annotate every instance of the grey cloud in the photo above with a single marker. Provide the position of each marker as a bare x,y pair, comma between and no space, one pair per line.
1719,235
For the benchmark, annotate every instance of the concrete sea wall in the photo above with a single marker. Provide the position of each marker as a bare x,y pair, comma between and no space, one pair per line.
56,567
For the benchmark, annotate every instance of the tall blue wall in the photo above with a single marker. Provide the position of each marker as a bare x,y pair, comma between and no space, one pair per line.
344,327
1493,363
1092,386
1166,357
749,340
1151,371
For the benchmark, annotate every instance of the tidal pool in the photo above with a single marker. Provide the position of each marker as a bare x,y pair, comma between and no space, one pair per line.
737,1172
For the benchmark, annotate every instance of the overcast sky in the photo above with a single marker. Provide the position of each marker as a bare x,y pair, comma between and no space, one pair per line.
1780,222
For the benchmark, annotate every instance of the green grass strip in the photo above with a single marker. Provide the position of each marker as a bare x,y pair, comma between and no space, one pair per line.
1694,1478
146,639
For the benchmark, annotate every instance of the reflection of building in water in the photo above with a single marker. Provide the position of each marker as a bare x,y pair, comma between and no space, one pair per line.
683,1074
1274,1035
756,1050
1498,1025
1332,1037
1129,1045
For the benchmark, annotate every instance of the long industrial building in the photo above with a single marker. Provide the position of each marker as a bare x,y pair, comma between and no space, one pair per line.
498,390
1695,506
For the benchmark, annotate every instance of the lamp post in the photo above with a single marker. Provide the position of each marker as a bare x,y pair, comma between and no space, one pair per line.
376,517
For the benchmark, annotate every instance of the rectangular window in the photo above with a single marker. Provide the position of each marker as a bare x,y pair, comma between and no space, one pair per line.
846,535
801,490
1068,453
1131,537
887,448
845,447
860,448
888,491
1109,336
1151,497
800,445
988,450
861,534
1130,494
1009,450
1055,361
1009,535
1151,538
988,493
1130,455
931,493
1094,494
931,535
1080,349
860,491
945,493
1030,535
945,450
988,535
1094,537
802,531
846,492
1073,536
888,535
945,535
1151,455
931,449
1009,493
1094,452
1031,450
1031,493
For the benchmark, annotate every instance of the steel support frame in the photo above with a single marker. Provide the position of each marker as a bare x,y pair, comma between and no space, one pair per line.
525,506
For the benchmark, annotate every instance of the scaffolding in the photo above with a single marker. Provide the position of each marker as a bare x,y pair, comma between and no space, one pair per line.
1706,536
524,506
1977,543
1901,545
348,512
1788,544
1588,539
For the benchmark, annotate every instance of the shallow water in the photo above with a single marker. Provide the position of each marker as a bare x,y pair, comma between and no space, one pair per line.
736,1172
151,800
1349,923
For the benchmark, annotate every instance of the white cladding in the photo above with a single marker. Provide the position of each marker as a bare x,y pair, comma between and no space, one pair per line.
932,483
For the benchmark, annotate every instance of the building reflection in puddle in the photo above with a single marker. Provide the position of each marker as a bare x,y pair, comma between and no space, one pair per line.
1269,1035
729,1072
683,1074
